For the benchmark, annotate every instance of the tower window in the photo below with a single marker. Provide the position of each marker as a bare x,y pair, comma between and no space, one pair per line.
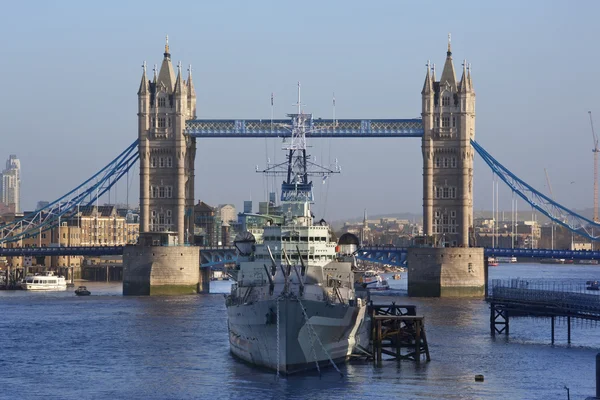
445,122
437,215
437,162
454,122
446,193
453,214
438,192
153,162
446,101
161,192
161,162
453,192
161,122
437,122
445,162
161,101
453,160
169,193
169,162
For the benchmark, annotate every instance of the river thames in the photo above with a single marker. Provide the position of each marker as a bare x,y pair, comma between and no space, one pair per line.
59,346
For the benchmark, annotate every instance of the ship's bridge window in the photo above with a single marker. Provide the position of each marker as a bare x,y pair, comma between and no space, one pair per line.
304,239
323,239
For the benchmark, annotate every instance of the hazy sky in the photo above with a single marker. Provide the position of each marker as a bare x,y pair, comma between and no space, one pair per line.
71,69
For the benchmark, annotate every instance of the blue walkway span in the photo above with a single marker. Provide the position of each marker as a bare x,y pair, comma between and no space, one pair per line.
315,128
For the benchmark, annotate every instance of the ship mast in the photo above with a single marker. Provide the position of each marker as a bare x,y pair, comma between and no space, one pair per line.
296,187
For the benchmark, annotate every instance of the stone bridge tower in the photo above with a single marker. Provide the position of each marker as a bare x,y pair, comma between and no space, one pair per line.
449,125
159,264
166,154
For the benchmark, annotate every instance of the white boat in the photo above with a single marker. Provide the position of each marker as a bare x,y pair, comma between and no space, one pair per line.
506,259
48,281
373,281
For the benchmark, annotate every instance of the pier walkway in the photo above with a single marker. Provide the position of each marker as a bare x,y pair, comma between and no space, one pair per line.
530,298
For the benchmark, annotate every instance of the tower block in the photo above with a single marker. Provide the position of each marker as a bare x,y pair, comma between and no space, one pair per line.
161,263
448,111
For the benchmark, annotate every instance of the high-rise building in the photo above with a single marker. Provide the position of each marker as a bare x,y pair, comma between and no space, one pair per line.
10,184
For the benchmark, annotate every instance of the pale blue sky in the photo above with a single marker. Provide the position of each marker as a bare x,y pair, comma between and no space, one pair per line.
71,70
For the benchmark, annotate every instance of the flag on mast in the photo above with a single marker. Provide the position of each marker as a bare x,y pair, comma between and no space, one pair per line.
334,99
271,99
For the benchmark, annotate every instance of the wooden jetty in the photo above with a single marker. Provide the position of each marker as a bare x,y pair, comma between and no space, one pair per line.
397,332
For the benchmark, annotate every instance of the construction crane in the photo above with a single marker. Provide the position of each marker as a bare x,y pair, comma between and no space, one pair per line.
595,150
549,186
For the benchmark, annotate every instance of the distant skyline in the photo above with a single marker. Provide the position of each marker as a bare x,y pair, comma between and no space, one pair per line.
71,72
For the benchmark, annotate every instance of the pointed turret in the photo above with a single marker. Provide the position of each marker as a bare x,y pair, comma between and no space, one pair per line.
464,80
427,86
448,74
143,90
166,76
190,83
179,88
470,82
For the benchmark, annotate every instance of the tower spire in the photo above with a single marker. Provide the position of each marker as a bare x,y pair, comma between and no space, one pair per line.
190,83
448,74
464,80
144,83
427,86
449,53
166,76
179,81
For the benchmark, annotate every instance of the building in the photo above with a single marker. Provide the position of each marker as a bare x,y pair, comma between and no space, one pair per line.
448,124
10,184
106,225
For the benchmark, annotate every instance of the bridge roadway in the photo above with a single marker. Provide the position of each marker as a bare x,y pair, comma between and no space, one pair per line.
213,256
209,256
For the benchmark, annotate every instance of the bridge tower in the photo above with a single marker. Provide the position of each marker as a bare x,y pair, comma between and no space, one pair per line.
449,124
451,268
166,154
160,263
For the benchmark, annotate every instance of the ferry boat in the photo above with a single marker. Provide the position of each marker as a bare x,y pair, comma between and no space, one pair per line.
47,281
371,280
293,306
506,259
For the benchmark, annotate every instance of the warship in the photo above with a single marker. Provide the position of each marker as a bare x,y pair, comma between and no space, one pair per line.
293,306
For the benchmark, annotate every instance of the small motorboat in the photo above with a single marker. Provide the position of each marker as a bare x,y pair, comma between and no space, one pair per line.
396,277
371,280
82,291
593,285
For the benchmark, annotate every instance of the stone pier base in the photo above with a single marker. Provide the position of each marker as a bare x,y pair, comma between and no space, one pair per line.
204,285
446,272
160,270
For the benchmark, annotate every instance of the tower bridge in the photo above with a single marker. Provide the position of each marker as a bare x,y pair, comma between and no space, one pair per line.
168,128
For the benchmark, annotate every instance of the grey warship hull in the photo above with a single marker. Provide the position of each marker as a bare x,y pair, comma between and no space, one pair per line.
327,332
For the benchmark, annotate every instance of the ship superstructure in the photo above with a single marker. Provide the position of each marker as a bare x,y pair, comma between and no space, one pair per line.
293,306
